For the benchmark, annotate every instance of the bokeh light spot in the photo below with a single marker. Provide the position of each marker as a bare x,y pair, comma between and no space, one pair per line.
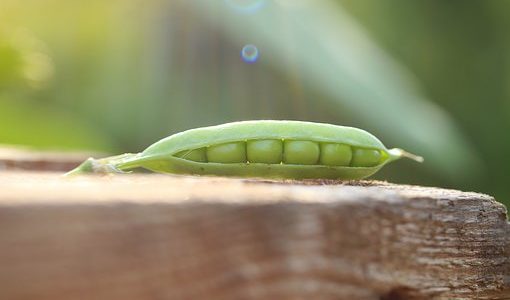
246,6
250,54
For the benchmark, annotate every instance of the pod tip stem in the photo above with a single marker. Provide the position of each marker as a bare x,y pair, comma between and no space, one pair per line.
397,153
87,166
107,165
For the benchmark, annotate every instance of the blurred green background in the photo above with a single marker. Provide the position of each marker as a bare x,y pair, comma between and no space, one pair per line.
430,76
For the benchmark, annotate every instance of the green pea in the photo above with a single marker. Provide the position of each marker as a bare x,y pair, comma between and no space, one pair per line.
301,152
197,155
227,153
335,154
264,151
308,150
365,157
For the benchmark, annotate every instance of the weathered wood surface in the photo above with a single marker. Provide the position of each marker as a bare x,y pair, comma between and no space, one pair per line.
170,237
20,158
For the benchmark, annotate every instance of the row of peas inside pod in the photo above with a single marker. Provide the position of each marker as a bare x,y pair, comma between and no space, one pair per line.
272,151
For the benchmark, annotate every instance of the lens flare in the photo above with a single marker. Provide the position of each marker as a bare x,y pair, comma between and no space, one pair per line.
250,54
246,6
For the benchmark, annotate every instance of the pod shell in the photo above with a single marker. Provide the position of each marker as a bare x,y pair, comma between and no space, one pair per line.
160,157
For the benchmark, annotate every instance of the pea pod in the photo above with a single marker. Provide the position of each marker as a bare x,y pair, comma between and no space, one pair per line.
266,148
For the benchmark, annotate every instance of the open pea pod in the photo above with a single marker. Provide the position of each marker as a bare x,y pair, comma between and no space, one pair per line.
265,148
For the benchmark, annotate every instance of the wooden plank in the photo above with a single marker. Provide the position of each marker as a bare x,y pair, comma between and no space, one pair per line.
177,237
20,158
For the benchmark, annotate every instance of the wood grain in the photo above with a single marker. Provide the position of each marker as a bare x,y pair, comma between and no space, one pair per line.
177,237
